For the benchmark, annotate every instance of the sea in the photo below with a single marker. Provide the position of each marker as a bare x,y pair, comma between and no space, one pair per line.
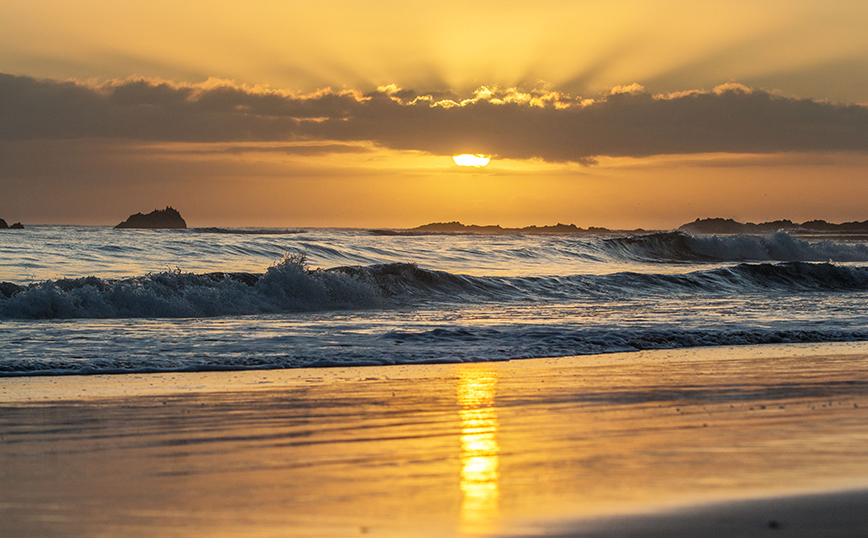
98,300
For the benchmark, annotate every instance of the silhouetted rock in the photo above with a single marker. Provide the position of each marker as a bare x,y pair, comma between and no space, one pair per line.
158,218
714,226
729,226
820,225
846,227
556,229
457,227
17,226
3,224
776,225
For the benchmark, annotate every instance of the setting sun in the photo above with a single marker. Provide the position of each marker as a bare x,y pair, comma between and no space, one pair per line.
467,159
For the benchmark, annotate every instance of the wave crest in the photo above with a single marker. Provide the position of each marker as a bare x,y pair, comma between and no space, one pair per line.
780,246
288,286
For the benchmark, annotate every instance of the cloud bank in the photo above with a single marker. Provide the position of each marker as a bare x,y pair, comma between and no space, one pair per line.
508,123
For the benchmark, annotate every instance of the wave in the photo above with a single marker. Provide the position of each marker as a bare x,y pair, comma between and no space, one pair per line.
746,278
289,286
545,341
780,246
407,346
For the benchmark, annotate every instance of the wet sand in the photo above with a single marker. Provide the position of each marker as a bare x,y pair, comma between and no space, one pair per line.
831,514
742,441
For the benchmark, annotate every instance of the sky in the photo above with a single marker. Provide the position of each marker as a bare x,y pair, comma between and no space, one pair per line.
613,113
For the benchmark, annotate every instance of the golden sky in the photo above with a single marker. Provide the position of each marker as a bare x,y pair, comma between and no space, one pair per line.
336,113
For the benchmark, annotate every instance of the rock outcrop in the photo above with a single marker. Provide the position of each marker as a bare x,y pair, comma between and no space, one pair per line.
457,227
730,226
168,218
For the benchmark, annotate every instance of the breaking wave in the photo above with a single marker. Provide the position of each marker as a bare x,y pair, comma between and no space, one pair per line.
289,286
780,246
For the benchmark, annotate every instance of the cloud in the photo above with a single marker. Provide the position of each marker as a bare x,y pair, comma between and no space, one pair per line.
300,150
507,123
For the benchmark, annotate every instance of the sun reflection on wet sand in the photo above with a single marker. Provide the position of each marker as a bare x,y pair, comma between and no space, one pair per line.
521,448
479,449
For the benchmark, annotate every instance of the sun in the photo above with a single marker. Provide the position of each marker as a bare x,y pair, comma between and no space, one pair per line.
471,160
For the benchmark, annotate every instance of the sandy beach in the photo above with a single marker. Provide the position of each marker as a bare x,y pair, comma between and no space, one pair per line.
729,441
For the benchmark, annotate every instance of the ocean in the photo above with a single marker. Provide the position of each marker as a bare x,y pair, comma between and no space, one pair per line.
91,300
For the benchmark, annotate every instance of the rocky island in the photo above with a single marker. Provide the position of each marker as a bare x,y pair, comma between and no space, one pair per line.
168,218
456,227
706,226
16,226
730,226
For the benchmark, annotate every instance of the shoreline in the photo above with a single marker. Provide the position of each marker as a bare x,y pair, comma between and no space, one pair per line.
65,385
594,445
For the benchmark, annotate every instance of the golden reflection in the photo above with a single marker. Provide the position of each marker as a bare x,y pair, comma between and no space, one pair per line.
479,448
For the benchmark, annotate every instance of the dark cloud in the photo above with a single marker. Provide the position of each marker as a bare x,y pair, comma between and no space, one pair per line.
505,123
302,150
